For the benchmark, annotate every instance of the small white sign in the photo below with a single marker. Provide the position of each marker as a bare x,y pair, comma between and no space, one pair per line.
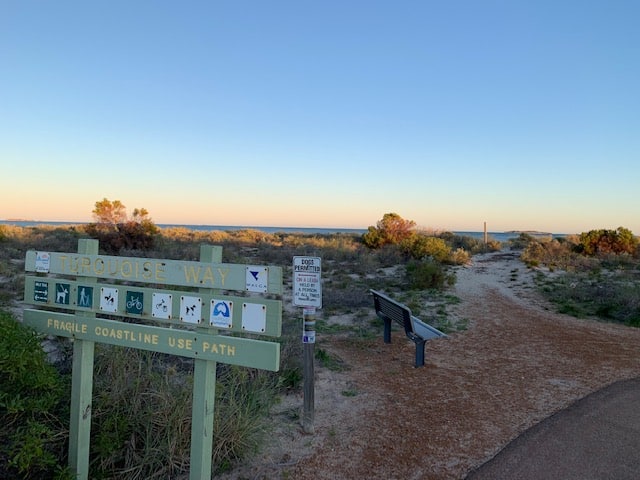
221,313
254,317
307,287
43,262
309,337
257,278
109,299
161,305
190,309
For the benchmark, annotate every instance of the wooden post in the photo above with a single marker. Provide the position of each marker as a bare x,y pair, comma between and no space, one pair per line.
309,339
485,234
204,396
82,389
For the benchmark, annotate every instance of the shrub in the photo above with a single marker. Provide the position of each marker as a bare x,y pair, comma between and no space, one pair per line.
426,274
391,230
608,296
420,246
553,253
465,242
32,404
603,241
123,236
460,256
142,413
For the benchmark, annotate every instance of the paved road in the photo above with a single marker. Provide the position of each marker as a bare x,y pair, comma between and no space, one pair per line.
596,438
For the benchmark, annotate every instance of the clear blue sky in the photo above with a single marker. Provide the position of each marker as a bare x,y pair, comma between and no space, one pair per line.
521,114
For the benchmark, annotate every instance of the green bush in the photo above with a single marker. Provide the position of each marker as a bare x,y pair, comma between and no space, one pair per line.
33,406
124,236
426,274
603,241
392,229
467,243
421,246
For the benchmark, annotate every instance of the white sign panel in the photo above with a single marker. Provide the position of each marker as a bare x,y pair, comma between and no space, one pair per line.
221,313
161,305
43,262
190,309
109,299
307,289
257,279
254,317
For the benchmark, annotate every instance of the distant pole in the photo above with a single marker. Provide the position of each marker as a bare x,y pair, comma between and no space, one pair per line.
485,234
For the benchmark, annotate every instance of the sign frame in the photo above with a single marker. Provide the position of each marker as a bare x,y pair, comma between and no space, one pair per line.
69,282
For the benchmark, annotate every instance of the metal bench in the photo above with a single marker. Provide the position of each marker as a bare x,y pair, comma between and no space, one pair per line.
418,331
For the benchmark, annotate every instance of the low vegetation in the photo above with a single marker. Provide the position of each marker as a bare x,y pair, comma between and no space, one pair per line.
594,274
33,407
142,400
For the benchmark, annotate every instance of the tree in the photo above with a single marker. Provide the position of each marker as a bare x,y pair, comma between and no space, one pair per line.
111,213
392,229
116,230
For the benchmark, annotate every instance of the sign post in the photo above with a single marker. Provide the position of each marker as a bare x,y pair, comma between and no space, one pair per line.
198,313
307,293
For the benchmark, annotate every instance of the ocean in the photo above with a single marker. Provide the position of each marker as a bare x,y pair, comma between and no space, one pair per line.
499,236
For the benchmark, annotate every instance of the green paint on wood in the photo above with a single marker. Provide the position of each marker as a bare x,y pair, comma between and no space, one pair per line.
227,276
81,391
85,296
207,279
246,352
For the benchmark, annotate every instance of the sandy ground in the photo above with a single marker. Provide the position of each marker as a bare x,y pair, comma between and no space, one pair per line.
516,364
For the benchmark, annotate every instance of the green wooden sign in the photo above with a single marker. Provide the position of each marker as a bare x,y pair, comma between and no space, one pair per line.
245,352
227,276
142,290
255,315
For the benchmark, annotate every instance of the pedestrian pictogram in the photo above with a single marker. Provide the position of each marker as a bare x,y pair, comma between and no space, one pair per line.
85,296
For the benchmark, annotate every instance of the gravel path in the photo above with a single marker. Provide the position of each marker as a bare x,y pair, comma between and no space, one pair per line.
516,364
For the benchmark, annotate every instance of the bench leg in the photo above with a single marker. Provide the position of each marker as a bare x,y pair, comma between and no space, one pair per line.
420,353
387,330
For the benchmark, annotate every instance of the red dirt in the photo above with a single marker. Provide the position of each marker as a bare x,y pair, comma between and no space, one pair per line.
516,364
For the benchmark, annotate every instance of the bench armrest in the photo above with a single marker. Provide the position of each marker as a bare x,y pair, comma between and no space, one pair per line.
425,331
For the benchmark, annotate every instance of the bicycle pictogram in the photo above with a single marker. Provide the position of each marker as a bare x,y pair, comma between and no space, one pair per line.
162,306
134,303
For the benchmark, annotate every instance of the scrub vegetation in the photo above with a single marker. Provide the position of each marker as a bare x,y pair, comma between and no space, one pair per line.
142,400
594,274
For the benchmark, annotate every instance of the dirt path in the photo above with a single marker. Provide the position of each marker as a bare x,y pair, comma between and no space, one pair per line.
515,365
